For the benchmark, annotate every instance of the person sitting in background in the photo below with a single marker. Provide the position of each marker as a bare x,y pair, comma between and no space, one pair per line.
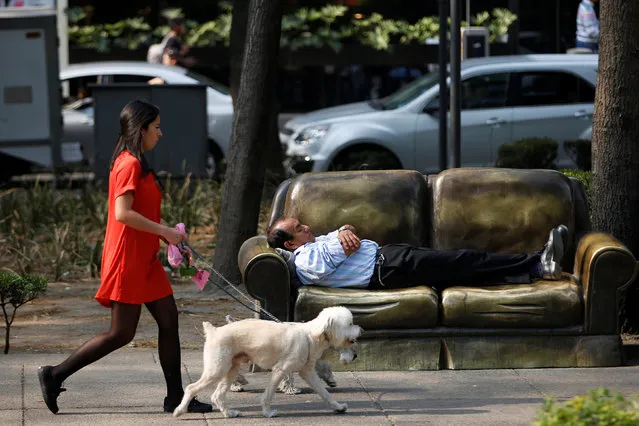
170,58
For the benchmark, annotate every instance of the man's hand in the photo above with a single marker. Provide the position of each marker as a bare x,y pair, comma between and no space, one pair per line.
350,242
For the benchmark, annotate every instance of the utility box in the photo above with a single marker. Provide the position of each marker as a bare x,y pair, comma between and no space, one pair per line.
475,42
183,149
30,105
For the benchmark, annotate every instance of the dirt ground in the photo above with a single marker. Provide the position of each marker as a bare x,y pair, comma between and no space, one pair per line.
67,315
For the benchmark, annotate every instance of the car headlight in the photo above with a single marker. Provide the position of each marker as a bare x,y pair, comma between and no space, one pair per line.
311,135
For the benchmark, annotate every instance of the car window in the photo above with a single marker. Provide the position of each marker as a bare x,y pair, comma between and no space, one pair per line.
130,78
208,82
538,88
409,92
79,88
485,91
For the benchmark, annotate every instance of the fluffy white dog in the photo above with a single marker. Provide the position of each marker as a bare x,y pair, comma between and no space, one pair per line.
287,385
282,347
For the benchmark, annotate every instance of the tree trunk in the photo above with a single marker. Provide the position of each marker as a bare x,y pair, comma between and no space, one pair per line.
244,178
236,44
274,155
615,147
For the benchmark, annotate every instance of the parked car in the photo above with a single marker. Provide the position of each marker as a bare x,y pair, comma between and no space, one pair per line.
504,99
77,112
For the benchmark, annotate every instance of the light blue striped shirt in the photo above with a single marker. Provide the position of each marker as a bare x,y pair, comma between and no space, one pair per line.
325,264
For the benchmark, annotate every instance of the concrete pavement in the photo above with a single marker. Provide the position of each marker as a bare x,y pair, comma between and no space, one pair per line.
127,388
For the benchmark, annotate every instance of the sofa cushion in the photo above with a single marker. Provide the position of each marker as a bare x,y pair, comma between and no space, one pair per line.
546,304
415,307
499,210
385,206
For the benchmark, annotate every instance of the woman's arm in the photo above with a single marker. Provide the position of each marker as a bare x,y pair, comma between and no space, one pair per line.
125,214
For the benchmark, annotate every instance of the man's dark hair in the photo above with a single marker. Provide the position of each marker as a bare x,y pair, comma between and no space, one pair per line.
276,237
174,22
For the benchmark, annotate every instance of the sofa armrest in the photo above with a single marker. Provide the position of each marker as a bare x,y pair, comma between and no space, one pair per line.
605,267
266,276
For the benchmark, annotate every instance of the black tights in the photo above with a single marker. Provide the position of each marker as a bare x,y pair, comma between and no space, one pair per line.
124,322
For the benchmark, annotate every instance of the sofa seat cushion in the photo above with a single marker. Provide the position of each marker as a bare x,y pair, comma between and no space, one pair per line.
415,307
546,304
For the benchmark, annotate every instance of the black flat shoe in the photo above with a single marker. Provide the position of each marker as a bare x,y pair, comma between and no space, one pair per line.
195,406
50,389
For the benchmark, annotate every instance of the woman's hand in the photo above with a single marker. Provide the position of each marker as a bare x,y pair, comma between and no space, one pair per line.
173,236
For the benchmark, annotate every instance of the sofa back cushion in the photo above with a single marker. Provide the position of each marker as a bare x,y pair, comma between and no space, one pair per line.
384,206
499,210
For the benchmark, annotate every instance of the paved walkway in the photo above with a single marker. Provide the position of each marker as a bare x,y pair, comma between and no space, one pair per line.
126,388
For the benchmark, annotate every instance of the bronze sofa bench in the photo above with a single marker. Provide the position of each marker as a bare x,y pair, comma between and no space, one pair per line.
572,322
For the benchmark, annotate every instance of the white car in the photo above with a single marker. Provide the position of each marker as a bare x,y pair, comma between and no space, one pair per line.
504,99
77,113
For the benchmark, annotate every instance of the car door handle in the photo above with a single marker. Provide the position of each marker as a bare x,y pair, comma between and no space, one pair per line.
495,121
581,114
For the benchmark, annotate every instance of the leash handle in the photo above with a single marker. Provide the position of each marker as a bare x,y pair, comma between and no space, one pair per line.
185,246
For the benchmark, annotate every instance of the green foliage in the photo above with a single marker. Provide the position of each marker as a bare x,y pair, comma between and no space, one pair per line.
15,291
330,25
599,407
586,179
59,232
533,153
579,151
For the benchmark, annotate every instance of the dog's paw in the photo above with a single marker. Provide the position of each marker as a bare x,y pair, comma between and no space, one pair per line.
270,413
236,387
232,413
339,408
178,412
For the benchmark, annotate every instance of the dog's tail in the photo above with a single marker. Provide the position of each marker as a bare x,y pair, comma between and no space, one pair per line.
208,327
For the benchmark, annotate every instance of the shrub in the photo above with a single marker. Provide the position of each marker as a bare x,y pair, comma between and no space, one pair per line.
15,291
586,179
579,151
533,153
599,407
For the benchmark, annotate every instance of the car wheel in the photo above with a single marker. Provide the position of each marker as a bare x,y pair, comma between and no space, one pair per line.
365,159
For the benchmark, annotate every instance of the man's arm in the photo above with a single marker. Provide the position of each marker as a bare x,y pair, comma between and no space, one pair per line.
349,239
317,260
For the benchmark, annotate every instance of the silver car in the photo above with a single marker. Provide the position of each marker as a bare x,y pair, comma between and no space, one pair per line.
504,99
77,112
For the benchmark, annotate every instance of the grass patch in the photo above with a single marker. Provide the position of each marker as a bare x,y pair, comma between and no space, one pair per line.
59,232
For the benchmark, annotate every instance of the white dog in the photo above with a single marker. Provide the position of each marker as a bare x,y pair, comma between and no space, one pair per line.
282,347
287,385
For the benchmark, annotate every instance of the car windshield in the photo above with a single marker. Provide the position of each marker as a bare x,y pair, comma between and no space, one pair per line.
207,81
409,92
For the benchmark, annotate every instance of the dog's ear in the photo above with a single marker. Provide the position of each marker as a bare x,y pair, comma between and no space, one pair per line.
329,328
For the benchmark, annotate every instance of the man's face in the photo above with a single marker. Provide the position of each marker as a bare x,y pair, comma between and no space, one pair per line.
301,233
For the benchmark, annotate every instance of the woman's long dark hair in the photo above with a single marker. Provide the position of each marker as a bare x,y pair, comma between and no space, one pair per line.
134,117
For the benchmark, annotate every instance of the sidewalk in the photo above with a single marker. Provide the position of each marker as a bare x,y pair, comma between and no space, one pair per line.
127,387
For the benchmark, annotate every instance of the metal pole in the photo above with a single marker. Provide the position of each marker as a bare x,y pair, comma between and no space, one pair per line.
513,31
468,13
63,37
455,82
443,89
558,27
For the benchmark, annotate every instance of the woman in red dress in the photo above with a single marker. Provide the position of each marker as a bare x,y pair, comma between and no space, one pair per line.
131,273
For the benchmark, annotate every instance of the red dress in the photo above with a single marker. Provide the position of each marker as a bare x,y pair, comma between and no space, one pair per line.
131,271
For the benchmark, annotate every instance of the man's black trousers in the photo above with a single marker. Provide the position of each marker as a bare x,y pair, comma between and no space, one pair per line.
403,265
